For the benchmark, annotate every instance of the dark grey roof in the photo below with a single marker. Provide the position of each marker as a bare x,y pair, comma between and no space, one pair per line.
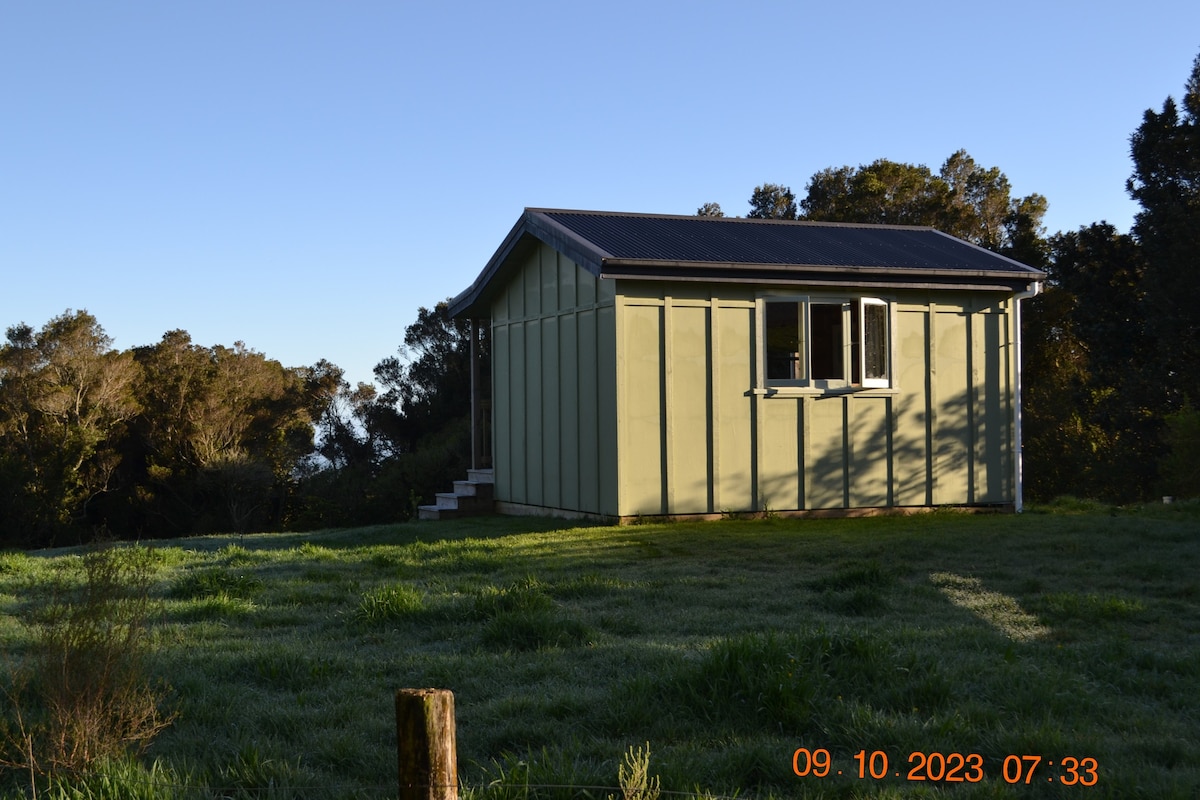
660,247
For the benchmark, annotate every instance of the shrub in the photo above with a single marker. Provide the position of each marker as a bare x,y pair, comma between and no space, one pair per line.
1181,467
83,694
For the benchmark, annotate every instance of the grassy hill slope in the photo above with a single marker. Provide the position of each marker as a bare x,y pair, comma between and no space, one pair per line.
726,646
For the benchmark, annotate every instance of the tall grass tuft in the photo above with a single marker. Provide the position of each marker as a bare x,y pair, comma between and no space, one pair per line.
217,582
522,616
388,604
753,682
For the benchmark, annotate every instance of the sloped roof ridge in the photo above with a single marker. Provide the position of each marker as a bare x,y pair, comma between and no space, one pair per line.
630,245
744,220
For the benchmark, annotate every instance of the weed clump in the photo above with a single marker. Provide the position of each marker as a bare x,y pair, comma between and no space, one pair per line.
217,582
83,695
522,616
388,604
634,776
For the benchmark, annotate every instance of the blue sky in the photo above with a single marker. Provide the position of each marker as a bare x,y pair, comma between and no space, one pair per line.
302,176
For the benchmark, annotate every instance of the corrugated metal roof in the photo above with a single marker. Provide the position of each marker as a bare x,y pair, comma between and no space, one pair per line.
668,239
661,247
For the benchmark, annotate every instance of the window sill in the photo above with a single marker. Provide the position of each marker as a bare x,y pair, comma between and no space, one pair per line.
803,391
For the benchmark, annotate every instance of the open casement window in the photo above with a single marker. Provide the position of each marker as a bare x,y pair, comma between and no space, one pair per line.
827,344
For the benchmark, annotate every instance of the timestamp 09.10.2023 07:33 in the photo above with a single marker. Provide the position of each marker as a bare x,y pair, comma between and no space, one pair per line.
948,767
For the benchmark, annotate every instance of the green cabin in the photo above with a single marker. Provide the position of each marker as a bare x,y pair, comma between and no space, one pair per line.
652,365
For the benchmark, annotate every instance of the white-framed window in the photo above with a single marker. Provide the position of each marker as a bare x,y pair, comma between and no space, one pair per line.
826,343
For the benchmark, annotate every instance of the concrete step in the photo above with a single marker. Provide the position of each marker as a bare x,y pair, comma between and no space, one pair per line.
470,498
484,491
435,513
481,475
459,502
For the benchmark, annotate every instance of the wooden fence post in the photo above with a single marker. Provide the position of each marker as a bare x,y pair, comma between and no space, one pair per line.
427,755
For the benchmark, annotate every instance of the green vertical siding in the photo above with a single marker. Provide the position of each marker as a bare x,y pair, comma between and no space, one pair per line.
684,368
689,437
553,349
992,408
825,465
911,432
501,409
515,435
589,432
869,438
733,366
606,401
551,409
781,485
643,437
568,405
642,398
696,437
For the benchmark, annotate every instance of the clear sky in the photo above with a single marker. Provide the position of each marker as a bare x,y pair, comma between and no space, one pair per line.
303,175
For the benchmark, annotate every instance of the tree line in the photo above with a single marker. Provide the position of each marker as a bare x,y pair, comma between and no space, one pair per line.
177,438
1112,346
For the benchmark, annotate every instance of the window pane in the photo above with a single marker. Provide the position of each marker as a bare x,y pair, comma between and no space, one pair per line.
828,347
784,359
855,344
875,344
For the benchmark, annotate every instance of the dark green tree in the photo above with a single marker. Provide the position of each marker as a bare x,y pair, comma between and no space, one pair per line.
65,399
221,435
883,192
1091,425
384,451
1166,184
773,201
710,210
963,199
1181,466
426,402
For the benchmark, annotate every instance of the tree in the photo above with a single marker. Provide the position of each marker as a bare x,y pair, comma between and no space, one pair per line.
978,203
1103,272
65,399
384,450
773,201
710,210
1181,466
1091,425
964,199
424,412
428,384
1025,235
883,192
1166,183
222,432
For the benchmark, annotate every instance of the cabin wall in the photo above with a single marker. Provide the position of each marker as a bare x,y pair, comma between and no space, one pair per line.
553,376
696,434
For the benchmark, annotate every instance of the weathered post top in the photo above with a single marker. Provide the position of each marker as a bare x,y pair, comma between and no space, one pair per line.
426,752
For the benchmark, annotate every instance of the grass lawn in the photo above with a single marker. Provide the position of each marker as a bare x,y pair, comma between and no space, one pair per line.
1069,633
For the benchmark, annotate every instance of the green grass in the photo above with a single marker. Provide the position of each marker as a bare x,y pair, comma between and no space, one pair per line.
1070,631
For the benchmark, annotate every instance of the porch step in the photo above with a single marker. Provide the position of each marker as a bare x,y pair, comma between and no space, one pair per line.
470,498
481,475
484,491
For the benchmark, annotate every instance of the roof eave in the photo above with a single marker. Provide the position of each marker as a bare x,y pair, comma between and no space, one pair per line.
817,274
531,223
